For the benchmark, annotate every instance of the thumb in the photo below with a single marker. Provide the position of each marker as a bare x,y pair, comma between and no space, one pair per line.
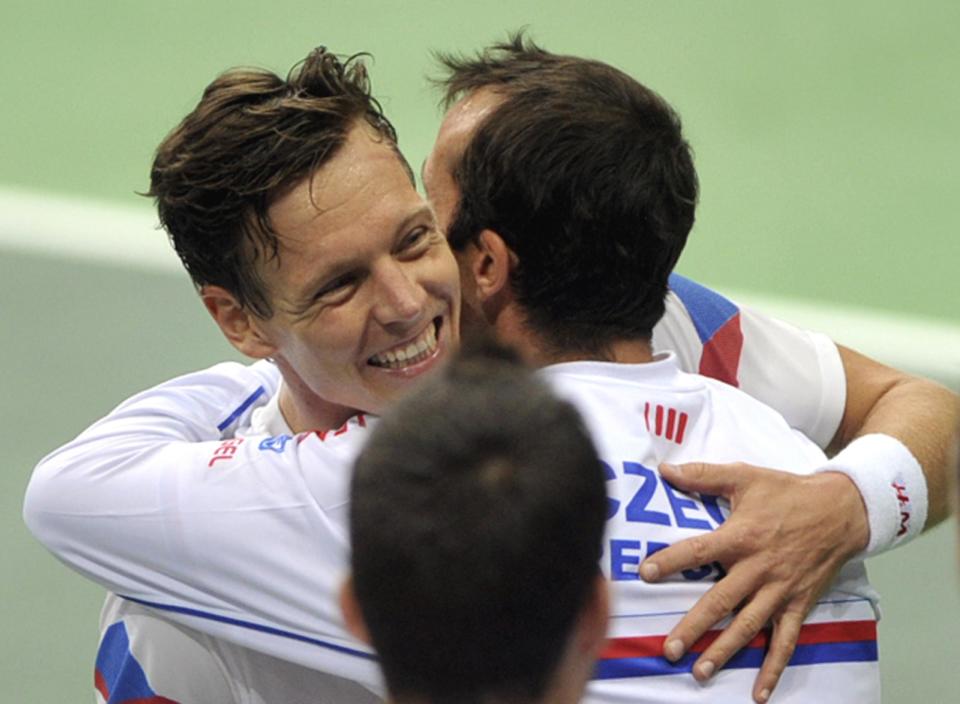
703,477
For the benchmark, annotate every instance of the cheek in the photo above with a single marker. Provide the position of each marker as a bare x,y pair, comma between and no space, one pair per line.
326,350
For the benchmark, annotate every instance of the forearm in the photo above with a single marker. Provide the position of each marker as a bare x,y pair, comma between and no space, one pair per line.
921,414
101,499
242,540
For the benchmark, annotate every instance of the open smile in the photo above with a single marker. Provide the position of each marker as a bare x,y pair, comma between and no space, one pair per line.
411,353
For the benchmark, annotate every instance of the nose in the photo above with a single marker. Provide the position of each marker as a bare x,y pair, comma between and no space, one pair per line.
400,299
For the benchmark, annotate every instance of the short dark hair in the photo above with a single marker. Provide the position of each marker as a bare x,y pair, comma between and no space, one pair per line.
586,175
477,513
252,135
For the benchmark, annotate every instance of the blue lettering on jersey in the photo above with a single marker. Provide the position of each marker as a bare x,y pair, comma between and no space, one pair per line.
625,557
612,504
622,554
637,510
710,504
276,443
679,506
696,513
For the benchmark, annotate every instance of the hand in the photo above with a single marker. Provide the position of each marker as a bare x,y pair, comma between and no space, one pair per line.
785,540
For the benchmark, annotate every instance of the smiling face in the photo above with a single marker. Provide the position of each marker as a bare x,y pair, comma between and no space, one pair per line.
365,289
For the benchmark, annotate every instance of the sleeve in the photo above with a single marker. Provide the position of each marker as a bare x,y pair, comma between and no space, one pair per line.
242,538
797,372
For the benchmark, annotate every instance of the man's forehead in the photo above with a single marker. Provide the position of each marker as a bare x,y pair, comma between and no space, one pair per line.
475,105
461,121
367,184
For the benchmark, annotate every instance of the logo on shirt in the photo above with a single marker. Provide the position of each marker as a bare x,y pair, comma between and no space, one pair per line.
359,421
225,450
276,443
666,422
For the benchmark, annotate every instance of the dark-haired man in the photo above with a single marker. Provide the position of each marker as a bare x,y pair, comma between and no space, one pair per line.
783,542
580,163
224,600
475,542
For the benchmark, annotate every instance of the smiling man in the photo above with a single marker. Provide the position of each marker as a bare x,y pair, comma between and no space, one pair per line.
317,250
297,218
363,290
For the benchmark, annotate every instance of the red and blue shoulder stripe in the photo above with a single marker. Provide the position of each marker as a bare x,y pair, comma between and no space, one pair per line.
717,322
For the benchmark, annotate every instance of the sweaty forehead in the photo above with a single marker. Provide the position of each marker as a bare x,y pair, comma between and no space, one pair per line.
360,198
461,122
351,186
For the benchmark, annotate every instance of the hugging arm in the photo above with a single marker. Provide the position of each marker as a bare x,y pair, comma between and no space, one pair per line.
788,534
235,537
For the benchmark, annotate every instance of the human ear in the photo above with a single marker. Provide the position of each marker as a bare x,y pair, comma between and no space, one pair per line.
241,328
492,265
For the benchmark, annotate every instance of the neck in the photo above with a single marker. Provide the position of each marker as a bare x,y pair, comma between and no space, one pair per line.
512,330
619,352
304,410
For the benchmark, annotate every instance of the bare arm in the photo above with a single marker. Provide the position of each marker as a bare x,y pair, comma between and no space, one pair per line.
921,414
788,535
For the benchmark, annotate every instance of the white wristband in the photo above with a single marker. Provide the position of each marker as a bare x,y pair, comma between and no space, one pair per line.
892,485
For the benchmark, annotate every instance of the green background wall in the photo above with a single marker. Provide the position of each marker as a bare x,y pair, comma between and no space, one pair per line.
826,140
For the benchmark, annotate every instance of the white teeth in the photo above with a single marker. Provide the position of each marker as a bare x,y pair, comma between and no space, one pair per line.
415,351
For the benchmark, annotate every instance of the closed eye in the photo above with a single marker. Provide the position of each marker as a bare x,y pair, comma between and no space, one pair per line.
413,237
336,286
416,241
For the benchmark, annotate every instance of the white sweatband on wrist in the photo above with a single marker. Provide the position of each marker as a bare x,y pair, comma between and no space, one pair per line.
892,485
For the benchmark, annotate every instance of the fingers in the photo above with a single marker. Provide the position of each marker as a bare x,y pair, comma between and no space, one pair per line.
719,479
744,628
689,553
786,631
718,603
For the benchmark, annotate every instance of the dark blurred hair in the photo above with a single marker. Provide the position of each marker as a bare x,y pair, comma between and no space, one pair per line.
585,174
251,136
477,513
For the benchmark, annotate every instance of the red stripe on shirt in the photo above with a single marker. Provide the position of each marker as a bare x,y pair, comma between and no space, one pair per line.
812,633
720,358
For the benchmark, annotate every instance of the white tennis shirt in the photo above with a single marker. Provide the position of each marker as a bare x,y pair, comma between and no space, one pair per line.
240,540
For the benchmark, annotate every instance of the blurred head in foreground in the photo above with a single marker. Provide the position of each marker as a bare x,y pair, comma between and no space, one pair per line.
477,513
